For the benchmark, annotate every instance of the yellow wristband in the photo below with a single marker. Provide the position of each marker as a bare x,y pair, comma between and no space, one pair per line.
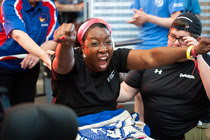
188,52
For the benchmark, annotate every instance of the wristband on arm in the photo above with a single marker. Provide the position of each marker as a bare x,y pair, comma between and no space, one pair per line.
195,59
189,49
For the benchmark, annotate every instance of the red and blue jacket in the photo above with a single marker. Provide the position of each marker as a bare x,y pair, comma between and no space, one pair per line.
38,22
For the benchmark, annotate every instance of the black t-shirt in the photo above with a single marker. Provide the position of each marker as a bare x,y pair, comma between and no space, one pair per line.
90,93
174,99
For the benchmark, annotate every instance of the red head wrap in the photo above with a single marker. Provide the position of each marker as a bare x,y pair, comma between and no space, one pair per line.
83,28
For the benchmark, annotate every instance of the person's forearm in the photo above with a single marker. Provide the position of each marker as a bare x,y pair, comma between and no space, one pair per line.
126,93
139,106
49,45
64,60
166,55
204,74
161,21
143,59
27,43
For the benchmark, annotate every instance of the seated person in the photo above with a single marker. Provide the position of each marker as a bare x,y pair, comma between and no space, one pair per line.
87,78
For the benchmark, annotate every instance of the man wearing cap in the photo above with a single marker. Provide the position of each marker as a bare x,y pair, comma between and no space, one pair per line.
174,96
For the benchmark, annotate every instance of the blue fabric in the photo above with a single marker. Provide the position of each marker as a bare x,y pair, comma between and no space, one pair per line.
98,117
39,23
147,130
152,34
111,125
192,6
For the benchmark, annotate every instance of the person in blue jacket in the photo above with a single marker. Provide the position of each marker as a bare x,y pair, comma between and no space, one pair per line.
26,36
154,19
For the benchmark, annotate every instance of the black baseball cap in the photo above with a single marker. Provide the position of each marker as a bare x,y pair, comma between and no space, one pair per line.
192,23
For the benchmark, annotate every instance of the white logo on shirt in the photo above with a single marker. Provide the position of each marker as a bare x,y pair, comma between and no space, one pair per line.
111,76
187,76
178,4
44,25
159,3
158,71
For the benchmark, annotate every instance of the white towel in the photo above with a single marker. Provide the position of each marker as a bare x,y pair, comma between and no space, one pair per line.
111,125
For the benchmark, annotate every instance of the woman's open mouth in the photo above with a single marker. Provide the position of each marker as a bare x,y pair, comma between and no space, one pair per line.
102,61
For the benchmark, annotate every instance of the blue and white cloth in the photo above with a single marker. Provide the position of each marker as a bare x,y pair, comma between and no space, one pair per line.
111,125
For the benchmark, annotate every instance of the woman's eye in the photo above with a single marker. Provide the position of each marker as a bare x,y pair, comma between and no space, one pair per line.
181,39
109,42
174,37
94,44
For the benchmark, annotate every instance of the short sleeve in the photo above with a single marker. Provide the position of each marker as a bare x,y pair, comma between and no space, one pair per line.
195,7
12,19
175,5
134,78
119,59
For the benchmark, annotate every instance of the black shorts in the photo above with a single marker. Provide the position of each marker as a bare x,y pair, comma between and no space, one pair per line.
21,86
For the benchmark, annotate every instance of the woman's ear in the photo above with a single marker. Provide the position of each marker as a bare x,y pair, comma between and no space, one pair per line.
83,51
113,43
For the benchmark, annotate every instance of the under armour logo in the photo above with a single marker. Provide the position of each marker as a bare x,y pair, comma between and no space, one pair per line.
158,71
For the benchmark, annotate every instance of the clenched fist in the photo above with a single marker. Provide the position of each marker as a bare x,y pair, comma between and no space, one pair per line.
203,46
65,34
